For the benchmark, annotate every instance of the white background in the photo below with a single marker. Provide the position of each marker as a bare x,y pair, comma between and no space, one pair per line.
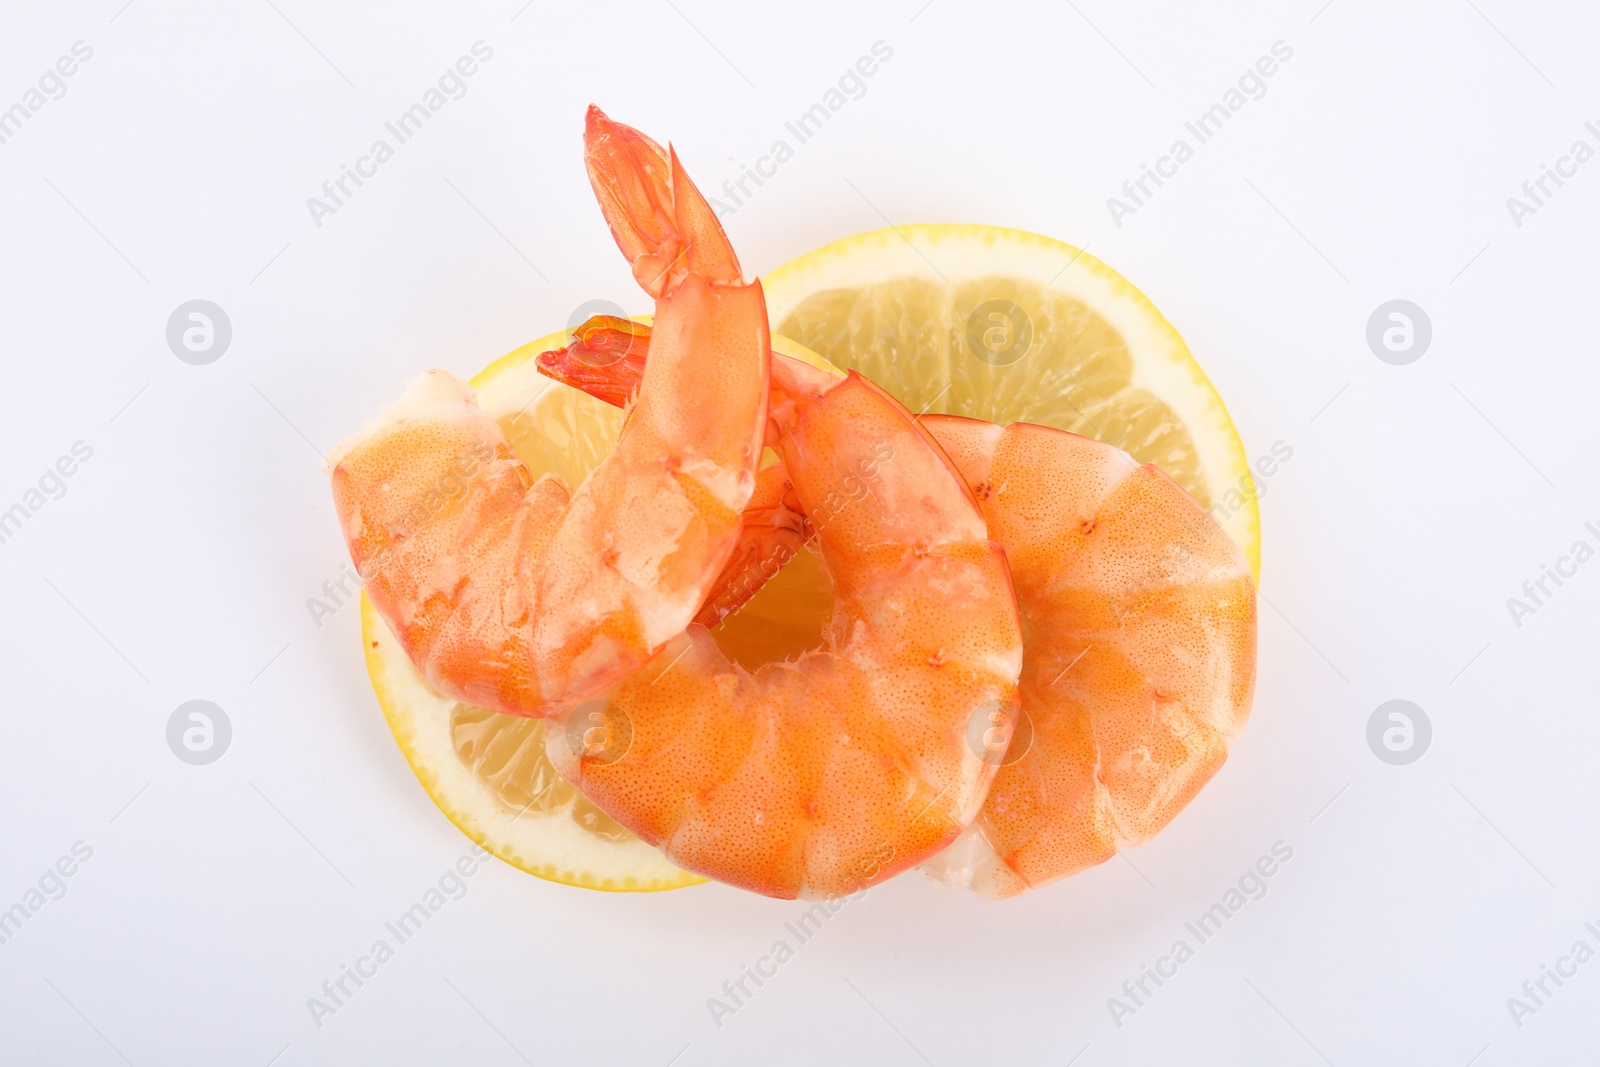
179,562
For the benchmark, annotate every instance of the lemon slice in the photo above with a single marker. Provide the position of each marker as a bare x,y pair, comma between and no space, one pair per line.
1074,346
487,771
1010,326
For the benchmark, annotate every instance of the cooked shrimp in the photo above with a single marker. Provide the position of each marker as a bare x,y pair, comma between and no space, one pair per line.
1139,663
825,775
525,597
1140,615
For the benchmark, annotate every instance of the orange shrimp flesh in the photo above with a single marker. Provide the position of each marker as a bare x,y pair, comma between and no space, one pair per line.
1140,625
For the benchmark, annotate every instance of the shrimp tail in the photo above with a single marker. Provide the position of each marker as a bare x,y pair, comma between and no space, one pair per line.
660,220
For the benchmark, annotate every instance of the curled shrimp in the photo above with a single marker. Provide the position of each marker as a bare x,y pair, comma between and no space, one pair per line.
1140,615
523,596
825,775
1140,661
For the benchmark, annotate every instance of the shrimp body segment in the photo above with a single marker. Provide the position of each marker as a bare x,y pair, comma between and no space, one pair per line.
1139,616
1140,623
526,597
